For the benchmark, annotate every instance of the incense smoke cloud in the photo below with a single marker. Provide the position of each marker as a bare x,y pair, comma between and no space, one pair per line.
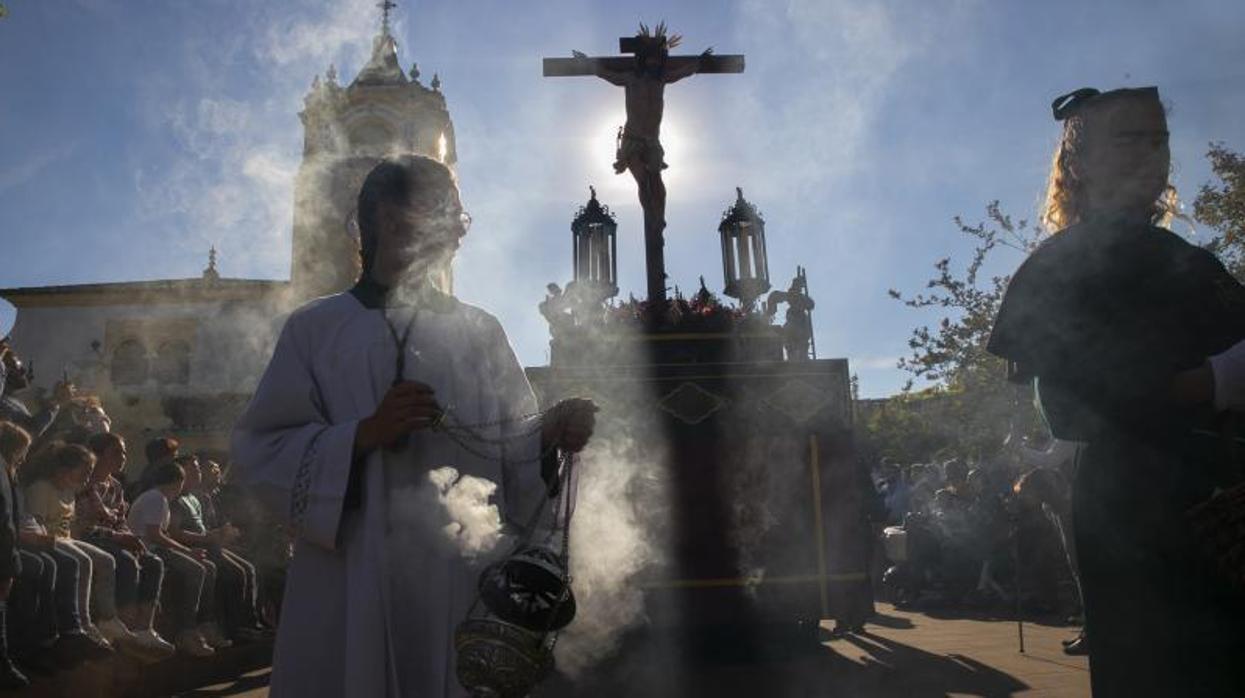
616,534
619,516
618,530
451,510
474,526
751,486
230,183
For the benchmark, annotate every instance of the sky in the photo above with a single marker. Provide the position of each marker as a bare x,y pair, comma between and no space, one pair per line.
135,134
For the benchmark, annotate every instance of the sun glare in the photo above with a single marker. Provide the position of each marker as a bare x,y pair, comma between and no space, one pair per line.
602,148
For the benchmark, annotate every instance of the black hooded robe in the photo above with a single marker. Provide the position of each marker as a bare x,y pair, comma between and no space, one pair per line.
1102,317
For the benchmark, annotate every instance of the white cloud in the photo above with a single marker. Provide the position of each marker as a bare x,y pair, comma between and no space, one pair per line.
30,168
873,362
334,30
843,57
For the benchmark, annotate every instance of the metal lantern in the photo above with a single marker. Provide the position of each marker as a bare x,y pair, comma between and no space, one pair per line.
596,247
745,263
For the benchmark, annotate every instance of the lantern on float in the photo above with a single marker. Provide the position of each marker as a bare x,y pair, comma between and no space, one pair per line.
745,262
594,232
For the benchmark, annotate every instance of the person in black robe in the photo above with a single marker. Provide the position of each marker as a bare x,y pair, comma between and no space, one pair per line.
1131,335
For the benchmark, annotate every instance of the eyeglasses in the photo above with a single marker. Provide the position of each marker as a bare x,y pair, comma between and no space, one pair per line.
439,226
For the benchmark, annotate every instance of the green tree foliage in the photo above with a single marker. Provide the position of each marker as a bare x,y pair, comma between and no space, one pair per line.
904,429
970,408
1222,207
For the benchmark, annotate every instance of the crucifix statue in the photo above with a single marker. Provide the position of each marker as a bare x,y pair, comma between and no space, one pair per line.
644,77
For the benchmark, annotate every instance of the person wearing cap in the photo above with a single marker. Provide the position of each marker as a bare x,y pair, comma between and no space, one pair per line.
1131,337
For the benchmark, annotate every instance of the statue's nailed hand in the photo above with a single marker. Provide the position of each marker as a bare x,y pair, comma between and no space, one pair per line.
569,425
578,54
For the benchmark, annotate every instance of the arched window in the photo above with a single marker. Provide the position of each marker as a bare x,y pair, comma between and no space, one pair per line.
172,365
129,363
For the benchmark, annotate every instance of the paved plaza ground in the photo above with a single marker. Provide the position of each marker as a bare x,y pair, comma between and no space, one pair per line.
919,655
903,654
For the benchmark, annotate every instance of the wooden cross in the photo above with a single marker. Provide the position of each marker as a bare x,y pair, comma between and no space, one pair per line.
644,77
570,67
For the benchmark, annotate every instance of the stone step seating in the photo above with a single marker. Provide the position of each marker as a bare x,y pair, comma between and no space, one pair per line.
125,677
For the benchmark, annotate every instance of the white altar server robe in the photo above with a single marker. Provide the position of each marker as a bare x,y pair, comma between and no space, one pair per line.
374,591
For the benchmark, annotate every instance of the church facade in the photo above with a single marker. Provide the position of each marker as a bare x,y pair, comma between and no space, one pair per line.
181,357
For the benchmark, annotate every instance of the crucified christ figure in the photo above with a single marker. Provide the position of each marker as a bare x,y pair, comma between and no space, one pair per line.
644,79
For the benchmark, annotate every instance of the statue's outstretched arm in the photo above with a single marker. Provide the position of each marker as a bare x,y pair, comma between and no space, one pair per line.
685,66
600,70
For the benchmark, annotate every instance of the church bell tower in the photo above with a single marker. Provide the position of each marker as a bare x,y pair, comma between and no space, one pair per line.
347,130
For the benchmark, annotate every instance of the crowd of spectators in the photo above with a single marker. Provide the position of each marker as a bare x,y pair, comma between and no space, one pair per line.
992,535
96,561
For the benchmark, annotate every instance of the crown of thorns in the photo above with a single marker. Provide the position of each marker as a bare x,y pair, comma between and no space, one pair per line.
658,34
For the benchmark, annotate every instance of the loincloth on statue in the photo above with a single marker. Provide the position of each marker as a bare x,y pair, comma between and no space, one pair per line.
644,150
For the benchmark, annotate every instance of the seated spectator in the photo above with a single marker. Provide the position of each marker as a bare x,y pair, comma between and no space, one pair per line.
11,678
265,542
991,533
80,418
1037,539
921,497
89,413
16,376
60,471
187,569
101,508
187,527
894,490
159,451
1047,487
244,620
955,476
45,595
975,483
